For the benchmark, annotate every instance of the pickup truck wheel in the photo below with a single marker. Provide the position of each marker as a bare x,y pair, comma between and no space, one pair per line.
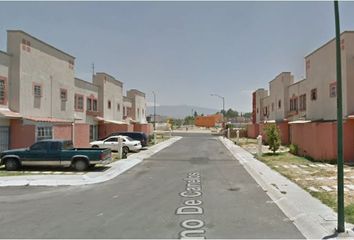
12,164
95,146
80,165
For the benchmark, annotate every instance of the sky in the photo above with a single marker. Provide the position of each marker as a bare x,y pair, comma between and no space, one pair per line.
183,51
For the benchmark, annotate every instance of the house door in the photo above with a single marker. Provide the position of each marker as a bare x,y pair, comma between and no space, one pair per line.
4,138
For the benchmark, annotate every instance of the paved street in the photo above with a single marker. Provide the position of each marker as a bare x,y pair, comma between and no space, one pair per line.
194,188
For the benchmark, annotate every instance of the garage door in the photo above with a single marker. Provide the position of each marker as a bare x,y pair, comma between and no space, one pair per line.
4,138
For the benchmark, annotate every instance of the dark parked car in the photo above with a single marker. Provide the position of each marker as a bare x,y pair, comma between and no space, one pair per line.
55,153
140,136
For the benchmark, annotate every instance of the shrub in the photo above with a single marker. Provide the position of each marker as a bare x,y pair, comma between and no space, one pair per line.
293,149
273,137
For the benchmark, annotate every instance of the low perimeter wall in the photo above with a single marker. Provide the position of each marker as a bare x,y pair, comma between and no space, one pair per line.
283,129
319,140
252,130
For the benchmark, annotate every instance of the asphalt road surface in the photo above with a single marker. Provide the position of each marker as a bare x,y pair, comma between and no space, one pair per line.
194,188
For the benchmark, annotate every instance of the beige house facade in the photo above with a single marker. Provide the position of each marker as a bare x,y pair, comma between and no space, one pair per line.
40,98
138,105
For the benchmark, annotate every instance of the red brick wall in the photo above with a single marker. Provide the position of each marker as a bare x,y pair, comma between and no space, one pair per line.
82,135
63,132
130,128
147,128
284,132
21,136
316,140
108,128
252,130
283,129
319,140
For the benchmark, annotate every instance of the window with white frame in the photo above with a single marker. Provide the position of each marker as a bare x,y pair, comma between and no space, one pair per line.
94,105
89,104
37,90
79,102
43,133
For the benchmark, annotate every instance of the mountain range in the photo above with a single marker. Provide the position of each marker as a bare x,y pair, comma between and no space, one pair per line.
179,111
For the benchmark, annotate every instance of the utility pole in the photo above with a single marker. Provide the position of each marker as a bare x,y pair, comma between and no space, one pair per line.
93,69
340,162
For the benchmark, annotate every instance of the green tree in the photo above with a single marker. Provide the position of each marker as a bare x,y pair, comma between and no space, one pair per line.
189,120
231,113
273,137
247,115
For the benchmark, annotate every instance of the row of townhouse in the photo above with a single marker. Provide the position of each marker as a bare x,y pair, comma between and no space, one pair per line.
40,98
305,111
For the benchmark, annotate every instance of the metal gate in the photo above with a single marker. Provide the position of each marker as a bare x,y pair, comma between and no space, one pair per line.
4,138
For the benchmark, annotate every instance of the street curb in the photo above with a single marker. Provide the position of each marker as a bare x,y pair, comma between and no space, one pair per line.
314,219
116,169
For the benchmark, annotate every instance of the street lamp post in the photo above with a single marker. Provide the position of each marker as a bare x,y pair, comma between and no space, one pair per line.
223,102
154,109
340,162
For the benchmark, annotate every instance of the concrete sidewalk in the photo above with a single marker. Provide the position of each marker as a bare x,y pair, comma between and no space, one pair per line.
314,219
115,169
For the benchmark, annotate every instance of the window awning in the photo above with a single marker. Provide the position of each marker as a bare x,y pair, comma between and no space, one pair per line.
47,119
109,121
7,113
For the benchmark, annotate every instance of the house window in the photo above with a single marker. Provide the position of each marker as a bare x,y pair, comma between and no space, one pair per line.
2,91
123,111
314,94
333,90
293,104
138,112
109,104
118,107
279,104
44,133
272,107
257,110
79,102
89,104
94,105
63,95
37,90
303,102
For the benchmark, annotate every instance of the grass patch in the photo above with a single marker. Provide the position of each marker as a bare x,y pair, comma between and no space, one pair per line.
278,160
326,198
349,213
282,158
